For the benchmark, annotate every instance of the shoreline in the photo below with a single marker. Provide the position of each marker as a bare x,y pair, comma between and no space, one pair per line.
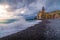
34,32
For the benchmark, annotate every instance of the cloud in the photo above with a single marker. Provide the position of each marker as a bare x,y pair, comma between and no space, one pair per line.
34,3
23,9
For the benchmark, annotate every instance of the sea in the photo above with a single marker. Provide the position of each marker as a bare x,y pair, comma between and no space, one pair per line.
12,26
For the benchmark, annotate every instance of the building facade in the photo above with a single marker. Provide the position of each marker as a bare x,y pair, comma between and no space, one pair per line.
41,14
46,15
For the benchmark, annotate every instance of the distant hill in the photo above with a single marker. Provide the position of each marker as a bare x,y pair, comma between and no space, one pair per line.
56,11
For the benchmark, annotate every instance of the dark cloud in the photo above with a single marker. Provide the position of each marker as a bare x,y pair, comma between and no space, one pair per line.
2,1
49,4
52,5
16,1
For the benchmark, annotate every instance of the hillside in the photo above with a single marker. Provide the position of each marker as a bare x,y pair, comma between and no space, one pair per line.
57,11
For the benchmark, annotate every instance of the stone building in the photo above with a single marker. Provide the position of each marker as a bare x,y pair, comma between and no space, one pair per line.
41,14
47,15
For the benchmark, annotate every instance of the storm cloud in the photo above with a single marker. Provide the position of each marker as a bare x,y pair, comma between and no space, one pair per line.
25,9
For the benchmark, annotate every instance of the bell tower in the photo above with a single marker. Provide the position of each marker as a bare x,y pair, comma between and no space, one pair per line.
43,9
43,13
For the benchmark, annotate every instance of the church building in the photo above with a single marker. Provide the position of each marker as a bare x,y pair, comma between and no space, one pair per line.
46,15
41,14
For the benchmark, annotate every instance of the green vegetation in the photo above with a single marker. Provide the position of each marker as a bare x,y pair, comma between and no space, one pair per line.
58,11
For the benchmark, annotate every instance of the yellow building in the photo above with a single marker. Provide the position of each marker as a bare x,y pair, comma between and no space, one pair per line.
41,15
46,15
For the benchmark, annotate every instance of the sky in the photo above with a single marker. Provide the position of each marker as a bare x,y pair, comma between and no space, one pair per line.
49,4
32,7
22,10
